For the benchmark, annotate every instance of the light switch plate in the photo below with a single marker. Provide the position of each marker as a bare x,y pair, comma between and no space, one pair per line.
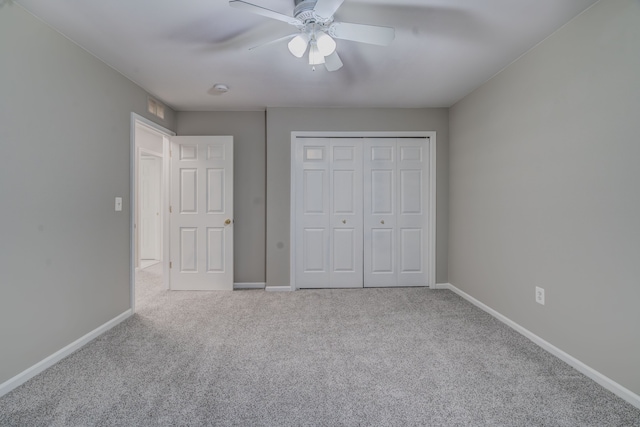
118,204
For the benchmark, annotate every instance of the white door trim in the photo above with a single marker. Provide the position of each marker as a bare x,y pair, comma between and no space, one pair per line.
430,135
166,133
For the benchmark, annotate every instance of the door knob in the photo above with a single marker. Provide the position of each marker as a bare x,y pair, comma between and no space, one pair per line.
227,222
382,221
344,221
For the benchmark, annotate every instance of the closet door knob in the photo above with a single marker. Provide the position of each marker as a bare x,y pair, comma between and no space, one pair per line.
382,221
344,221
227,222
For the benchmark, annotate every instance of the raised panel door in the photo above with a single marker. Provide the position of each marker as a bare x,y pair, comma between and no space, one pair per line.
412,213
312,214
346,262
380,212
201,236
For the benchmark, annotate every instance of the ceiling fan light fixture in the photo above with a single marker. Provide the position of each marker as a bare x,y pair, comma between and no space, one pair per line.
298,45
325,43
315,56
317,30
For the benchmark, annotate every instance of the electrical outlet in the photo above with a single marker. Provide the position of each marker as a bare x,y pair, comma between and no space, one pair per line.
539,295
118,204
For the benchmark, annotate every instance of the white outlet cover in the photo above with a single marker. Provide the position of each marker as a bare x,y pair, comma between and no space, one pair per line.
539,295
118,204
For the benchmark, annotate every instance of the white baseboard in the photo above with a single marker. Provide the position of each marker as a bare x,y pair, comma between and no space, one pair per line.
249,285
31,372
601,379
277,288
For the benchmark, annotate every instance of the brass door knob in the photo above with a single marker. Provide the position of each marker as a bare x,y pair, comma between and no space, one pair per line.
227,222
344,221
382,221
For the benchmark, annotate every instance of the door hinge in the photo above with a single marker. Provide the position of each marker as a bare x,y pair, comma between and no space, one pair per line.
170,264
170,210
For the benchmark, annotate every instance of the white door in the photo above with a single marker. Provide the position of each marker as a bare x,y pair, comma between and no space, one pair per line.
361,212
412,218
312,212
329,213
380,213
201,213
345,201
150,202
396,195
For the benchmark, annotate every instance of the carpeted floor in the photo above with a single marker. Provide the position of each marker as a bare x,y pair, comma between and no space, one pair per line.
372,357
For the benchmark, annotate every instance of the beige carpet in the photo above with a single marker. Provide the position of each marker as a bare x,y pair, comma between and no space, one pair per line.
373,357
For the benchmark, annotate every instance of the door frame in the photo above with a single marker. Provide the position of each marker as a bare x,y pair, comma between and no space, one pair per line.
430,136
166,134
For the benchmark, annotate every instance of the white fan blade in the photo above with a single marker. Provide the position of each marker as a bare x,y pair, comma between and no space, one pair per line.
243,5
290,36
372,34
333,62
326,8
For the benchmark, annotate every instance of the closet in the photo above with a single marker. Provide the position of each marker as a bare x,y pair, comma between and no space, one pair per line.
361,211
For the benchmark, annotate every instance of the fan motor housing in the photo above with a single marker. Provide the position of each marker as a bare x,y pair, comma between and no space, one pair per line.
304,10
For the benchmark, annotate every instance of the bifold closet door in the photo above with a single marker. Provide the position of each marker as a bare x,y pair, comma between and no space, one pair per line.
396,190
380,235
329,213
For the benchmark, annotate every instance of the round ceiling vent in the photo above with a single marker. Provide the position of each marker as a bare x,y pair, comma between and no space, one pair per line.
221,87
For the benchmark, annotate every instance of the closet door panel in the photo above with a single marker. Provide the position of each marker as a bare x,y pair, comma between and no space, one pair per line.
344,251
380,194
411,250
382,251
312,213
346,262
412,215
314,250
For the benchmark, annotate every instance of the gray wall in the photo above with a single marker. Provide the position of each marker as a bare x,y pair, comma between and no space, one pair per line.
282,121
544,190
248,130
64,157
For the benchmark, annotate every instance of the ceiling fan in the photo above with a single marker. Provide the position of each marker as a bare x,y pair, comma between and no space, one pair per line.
317,30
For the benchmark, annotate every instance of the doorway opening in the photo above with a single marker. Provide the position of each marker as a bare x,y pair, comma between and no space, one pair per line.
149,207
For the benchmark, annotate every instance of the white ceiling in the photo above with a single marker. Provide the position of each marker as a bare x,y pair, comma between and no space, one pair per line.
177,50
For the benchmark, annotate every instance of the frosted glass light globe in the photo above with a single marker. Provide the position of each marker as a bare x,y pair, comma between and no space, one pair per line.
326,44
298,45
